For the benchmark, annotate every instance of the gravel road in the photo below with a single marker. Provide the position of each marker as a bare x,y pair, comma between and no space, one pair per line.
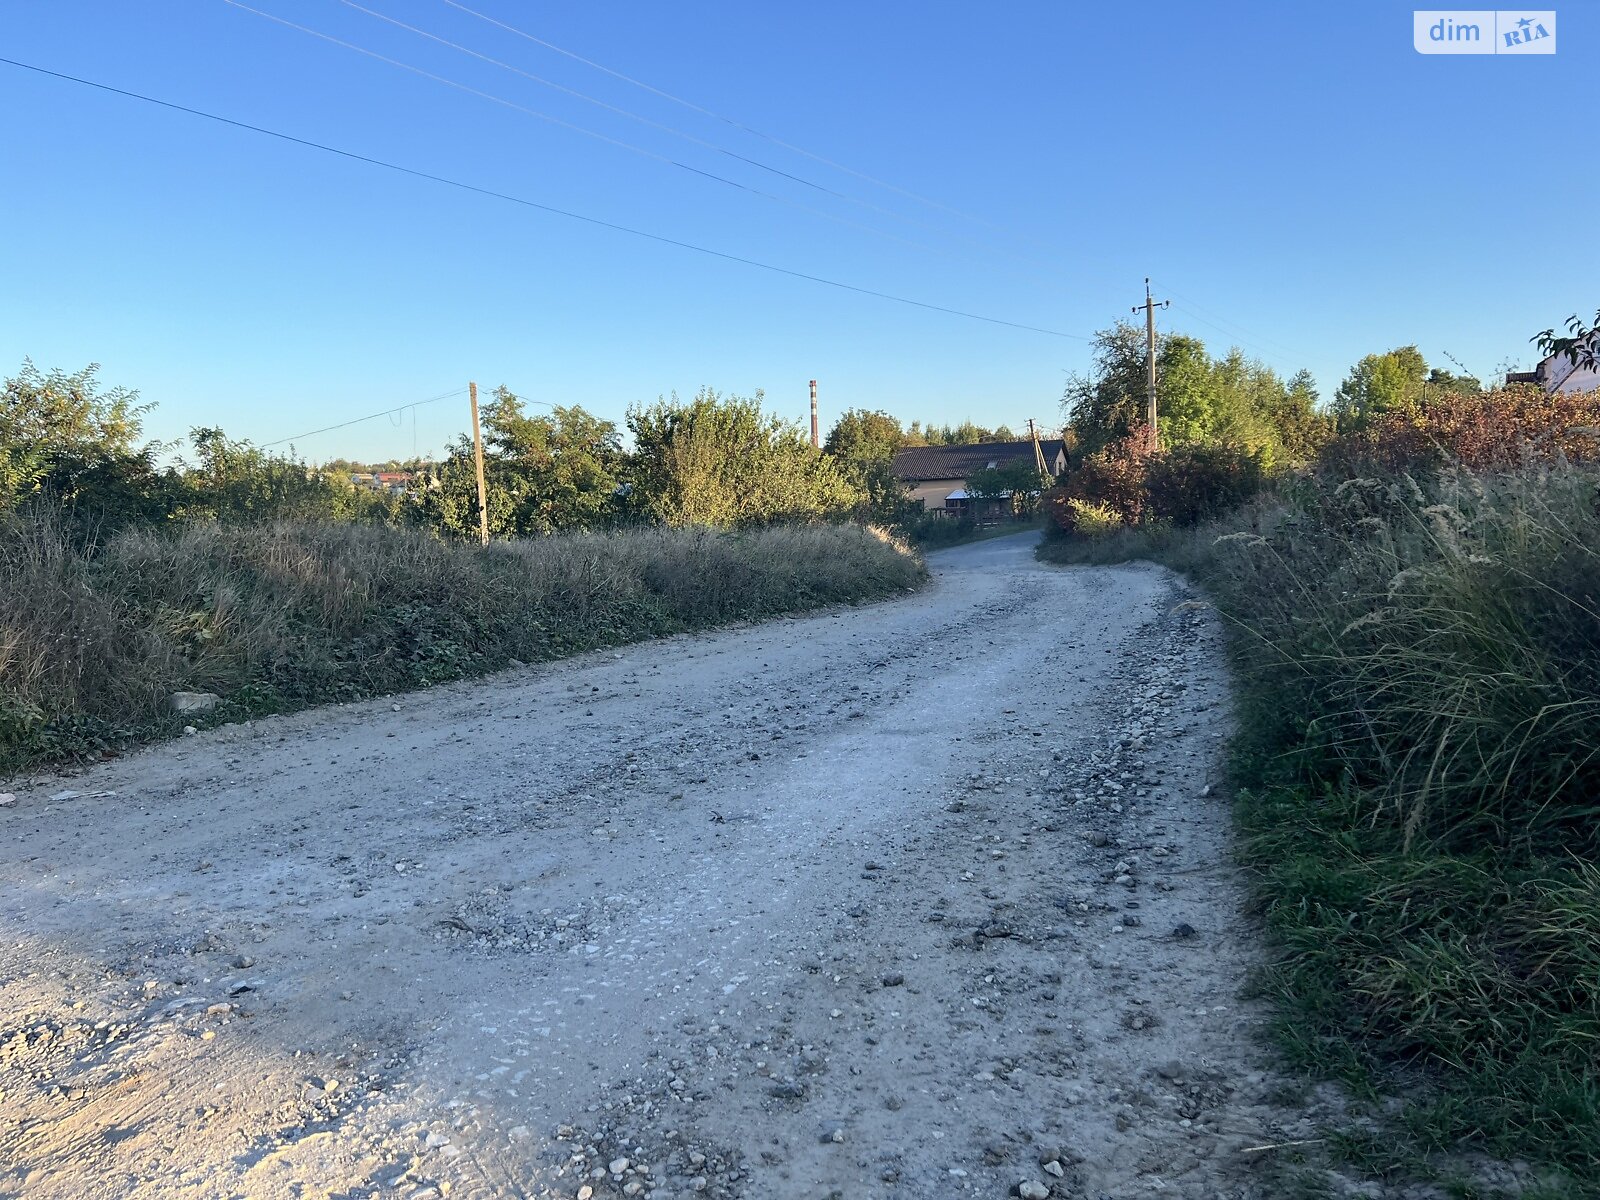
923,899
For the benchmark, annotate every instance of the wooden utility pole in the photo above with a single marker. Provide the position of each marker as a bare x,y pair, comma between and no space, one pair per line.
1150,307
477,454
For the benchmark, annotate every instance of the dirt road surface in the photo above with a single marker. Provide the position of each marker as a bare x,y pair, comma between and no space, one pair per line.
924,899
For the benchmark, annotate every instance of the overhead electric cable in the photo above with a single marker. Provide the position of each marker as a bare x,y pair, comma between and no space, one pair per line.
1233,338
689,104
534,204
1200,314
512,104
613,108
576,128
712,146
415,404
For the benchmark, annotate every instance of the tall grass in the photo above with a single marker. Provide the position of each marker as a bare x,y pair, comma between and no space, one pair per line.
93,642
1443,639
1419,670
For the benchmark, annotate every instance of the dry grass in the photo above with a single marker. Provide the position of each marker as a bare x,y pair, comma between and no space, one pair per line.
271,617
1445,637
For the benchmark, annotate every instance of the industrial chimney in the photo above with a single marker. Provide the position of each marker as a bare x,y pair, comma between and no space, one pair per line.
815,441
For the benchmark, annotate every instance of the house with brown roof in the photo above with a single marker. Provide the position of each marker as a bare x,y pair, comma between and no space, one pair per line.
936,476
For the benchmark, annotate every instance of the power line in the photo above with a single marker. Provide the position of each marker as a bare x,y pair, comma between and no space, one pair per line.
1234,338
534,204
676,132
415,404
612,108
689,104
576,128
389,412
472,91
1190,307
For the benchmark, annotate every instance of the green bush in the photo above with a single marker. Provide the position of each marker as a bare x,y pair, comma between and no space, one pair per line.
1189,485
1092,519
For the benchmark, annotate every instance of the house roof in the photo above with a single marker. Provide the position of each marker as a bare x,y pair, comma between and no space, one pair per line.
958,462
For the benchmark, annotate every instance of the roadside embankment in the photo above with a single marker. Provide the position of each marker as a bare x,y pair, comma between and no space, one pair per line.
95,643
1418,666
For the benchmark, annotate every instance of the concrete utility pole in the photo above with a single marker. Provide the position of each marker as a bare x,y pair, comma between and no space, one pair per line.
1038,450
1150,307
815,441
477,454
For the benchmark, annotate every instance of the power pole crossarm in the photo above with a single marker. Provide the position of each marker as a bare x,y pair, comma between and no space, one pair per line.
1150,307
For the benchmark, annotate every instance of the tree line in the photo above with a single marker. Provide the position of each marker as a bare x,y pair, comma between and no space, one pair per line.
1236,401
714,459
1228,425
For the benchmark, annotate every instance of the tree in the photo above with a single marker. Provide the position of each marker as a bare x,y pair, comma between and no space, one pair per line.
1018,482
1200,400
721,461
965,434
1108,403
543,474
234,481
860,435
1190,399
1257,413
64,435
864,444
1580,346
1302,428
559,471
1441,382
1381,383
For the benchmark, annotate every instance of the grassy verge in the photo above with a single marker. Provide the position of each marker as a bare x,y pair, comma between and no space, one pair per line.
277,617
1418,665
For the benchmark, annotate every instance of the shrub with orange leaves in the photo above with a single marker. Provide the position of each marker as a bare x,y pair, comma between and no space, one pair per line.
1112,480
1488,431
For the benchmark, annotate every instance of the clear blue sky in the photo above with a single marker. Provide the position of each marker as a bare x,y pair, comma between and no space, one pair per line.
1297,173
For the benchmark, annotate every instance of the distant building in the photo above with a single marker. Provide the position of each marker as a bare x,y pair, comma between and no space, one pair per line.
937,475
1558,373
382,481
